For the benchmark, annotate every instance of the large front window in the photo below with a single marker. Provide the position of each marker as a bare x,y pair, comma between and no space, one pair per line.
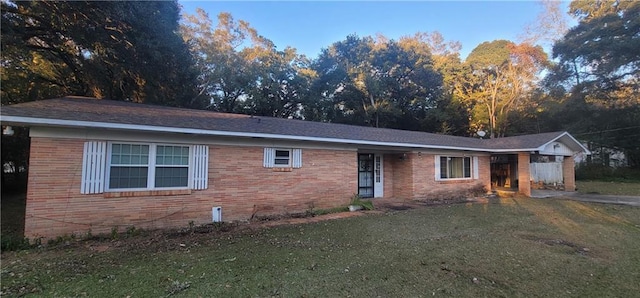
455,167
148,166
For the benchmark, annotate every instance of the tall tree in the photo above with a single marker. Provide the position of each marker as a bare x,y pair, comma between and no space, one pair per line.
375,82
450,115
117,50
550,24
499,79
241,71
599,66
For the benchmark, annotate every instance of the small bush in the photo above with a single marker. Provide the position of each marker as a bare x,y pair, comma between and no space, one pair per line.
331,210
357,200
12,242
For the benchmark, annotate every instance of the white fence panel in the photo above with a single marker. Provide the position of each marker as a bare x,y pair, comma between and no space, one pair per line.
548,172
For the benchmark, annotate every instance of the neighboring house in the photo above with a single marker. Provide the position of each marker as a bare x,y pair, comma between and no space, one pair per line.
98,164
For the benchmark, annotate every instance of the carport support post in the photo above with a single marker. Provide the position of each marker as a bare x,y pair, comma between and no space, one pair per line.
569,173
524,174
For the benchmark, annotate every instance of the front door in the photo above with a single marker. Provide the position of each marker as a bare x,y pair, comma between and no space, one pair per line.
370,175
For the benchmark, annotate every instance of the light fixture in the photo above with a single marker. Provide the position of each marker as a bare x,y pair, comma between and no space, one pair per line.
8,131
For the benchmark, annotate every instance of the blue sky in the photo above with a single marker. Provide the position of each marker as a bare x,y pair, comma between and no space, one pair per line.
311,26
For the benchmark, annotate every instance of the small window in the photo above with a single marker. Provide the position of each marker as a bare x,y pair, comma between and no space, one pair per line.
455,167
282,158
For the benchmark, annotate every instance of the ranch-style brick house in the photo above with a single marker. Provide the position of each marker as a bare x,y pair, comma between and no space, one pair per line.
98,164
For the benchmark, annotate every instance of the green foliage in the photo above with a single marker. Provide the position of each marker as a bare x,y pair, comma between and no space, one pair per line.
114,233
604,173
242,72
132,231
598,75
124,50
375,82
11,242
330,211
499,81
357,200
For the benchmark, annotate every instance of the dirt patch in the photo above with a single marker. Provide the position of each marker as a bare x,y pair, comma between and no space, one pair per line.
558,242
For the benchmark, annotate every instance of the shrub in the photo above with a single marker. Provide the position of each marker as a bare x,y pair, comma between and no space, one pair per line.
357,200
12,242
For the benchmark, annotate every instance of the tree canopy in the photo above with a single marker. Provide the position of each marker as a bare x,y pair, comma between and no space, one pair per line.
598,70
107,49
376,82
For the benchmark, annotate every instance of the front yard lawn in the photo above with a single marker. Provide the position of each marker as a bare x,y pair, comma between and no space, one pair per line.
507,247
609,188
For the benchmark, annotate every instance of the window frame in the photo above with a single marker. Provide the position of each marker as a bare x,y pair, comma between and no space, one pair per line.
289,158
439,166
151,167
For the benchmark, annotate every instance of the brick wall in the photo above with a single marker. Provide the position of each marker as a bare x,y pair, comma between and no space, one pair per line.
425,185
402,176
237,182
524,174
569,173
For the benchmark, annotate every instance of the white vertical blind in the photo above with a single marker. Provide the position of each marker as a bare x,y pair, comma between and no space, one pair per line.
200,162
94,159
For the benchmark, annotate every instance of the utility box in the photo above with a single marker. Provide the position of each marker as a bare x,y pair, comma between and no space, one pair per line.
216,214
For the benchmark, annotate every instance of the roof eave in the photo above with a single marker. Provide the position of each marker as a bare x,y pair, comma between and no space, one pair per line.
32,121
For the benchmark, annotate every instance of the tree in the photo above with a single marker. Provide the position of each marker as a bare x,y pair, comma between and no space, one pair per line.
498,80
117,50
450,115
282,88
375,82
241,71
599,66
550,25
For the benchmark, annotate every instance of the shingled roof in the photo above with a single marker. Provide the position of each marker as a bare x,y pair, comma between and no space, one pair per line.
91,112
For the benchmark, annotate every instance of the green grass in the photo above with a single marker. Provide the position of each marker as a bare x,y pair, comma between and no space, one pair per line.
609,188
512,247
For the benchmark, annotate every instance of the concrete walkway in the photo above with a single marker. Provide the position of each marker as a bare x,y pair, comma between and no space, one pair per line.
595,198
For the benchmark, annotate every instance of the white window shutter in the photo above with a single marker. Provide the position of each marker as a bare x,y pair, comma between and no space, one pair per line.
269,157
200,162
297,158
437,168
476,171
94,162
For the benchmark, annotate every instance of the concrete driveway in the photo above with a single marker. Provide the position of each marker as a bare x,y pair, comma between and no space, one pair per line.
595,198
